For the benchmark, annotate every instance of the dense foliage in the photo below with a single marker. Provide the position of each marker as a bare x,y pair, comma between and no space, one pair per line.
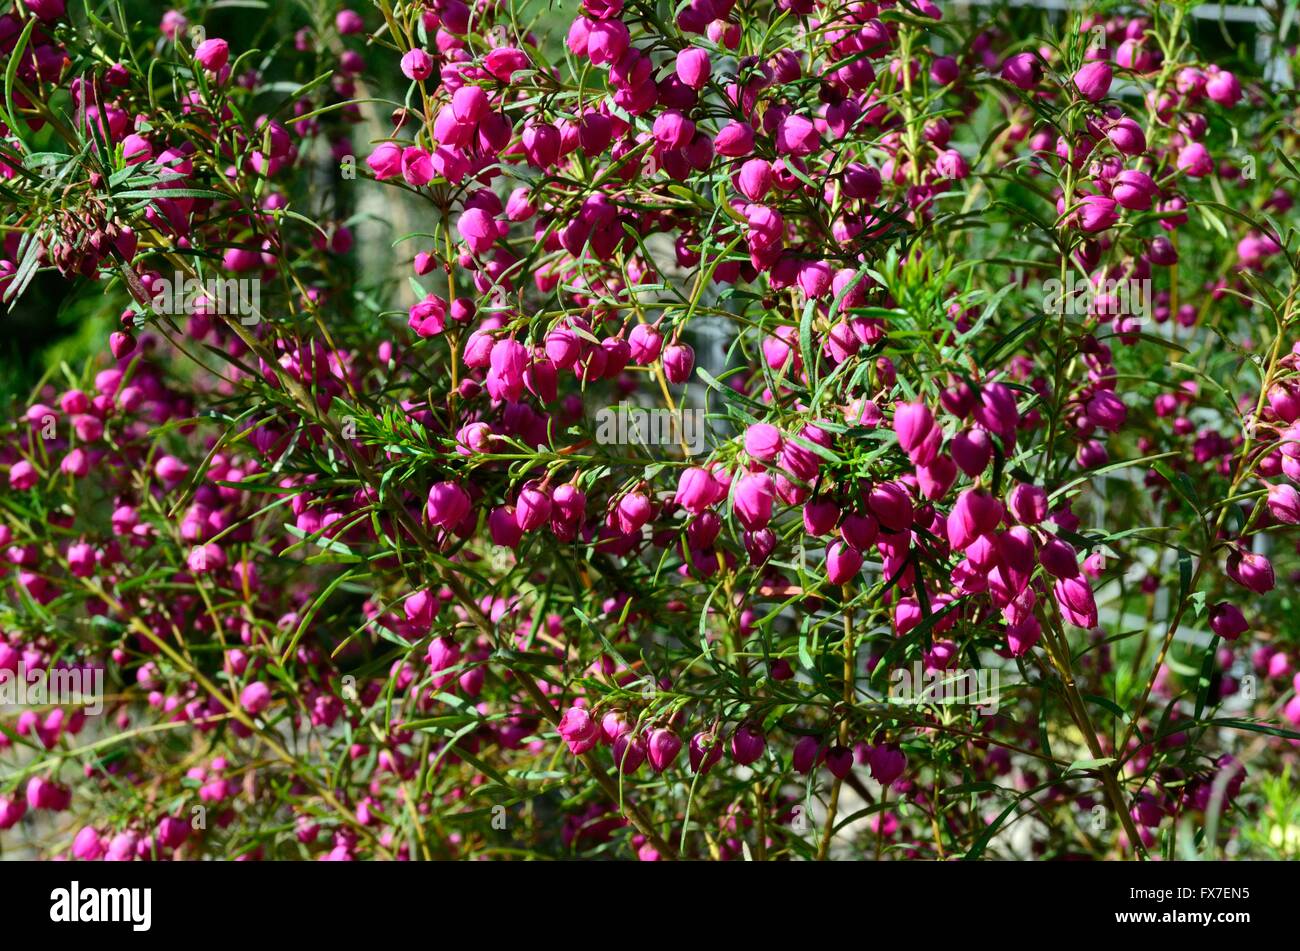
721,429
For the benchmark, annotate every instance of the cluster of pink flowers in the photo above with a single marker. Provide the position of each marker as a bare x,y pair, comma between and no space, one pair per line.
362,545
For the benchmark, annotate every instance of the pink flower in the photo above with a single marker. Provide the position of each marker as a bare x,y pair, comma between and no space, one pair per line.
1194,159
842,563
762,442
1022,70
747,744
255,698
1093,80
734,140
678,361
504,61
1223,87
1096,213
1076,603
693,67
447,505
796,136
752,500
417,65
212,54
417,166
478,229
1227,621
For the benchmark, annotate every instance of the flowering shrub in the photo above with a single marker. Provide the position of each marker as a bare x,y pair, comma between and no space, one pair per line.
964,527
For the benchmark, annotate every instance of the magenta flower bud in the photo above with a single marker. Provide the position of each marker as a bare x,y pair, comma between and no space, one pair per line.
839,760
975,513
762,442
87,845
862,181
673,130
1284,503
679,360
935,479
1076,603
212,54
1059,558
1127,137
448,505
1227,621
889,502
541,143
807,753
1022,637
972,450
944,71
759,545
569,501
693,67
1022,70
755,179
735,140
629,752
1093,80
1028,503
478,229
913,422
11,810
1194,159
646,343
172,832
887,763
607,41
1096,213
634,510
1133,189
752,501
443,654
386,160
46,10
255,698
747,744
532,509
796,135
503,525
417,166
951,164
170,470
44,794
1251,571
1224,88
1106,410
842,563
121,344
662,748
696,489
819,517
705,751
579,730
859,530
815,278
417,65
996,410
